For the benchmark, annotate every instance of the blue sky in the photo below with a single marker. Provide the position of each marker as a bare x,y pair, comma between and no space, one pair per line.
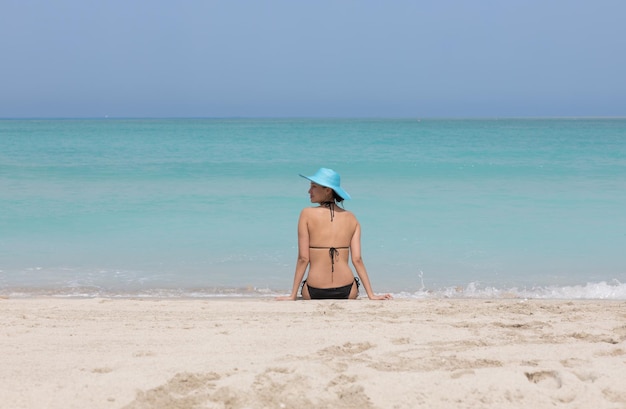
203,58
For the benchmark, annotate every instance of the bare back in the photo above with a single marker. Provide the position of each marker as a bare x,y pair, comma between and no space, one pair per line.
318,236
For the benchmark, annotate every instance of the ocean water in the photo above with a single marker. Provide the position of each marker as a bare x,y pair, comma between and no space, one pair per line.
532,208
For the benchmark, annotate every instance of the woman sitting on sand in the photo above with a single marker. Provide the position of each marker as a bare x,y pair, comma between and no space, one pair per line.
327,235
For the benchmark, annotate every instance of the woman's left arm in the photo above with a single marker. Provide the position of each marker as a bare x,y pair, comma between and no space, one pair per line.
359,265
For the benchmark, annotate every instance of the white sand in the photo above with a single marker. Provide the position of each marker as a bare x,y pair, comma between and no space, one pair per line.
102,353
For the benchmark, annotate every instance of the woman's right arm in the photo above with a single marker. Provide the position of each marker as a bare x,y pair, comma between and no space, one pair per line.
303,257
359,266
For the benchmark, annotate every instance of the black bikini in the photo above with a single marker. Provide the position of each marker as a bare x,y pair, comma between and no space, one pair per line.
338,293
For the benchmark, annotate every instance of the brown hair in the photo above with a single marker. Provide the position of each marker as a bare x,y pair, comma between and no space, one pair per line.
336,197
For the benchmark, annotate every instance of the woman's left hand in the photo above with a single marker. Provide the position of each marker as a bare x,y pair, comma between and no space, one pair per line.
381,297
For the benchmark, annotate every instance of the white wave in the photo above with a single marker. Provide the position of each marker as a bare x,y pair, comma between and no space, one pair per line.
613,290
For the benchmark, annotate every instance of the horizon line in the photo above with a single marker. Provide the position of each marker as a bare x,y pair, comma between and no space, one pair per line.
419,118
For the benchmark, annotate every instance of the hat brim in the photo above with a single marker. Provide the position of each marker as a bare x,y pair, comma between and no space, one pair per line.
342,193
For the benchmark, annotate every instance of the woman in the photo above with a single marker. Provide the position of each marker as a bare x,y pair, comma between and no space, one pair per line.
327,235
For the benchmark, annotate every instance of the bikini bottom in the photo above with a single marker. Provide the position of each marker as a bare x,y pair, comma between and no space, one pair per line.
338,293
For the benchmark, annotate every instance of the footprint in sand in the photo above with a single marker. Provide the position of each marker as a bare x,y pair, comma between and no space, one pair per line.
102,370
547,379
401,341
347,349
329,310
184,390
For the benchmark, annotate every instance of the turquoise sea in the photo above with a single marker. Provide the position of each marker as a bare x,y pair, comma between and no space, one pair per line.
532,208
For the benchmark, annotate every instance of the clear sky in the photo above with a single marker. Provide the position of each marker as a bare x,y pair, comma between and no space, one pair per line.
316,58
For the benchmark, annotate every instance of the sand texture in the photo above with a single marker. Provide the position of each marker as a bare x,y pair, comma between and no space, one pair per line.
232,353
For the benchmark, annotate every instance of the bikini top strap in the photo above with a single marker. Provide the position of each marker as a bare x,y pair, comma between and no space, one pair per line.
316,247
333,253
331,207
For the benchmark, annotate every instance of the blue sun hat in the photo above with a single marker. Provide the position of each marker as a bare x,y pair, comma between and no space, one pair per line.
328,178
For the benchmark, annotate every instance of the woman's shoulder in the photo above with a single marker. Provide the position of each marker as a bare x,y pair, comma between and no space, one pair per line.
350,215
347,215
308,210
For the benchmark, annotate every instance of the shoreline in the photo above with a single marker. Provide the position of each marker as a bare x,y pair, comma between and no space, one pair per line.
272,298
250,352
600,290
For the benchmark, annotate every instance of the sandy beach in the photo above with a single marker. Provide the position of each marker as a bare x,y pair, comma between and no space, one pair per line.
260,353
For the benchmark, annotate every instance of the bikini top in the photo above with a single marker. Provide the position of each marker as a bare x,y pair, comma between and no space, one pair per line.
333,252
